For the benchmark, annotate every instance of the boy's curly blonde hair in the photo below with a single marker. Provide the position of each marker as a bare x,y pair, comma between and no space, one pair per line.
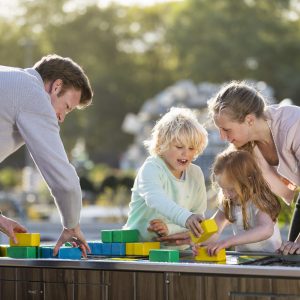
181,125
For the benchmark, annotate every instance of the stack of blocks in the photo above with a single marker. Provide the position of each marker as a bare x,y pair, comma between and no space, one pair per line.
209,227
28,246
121,242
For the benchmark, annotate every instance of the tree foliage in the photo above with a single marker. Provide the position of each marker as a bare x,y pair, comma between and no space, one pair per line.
132,53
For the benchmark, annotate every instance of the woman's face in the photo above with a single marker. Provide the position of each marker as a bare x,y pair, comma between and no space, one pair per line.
234,132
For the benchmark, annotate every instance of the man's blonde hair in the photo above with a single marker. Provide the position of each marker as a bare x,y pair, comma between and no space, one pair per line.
181,125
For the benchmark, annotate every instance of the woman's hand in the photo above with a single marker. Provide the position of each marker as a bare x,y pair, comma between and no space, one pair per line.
289,248
159,227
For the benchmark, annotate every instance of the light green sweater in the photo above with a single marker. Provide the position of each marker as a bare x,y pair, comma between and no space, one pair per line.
158,194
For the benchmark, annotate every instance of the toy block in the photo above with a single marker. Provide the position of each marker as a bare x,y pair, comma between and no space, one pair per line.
125,236
3,250
96,247
209,227
164,255
130,248
144,248
26,239
107,236
203,256
22,252
106,248
118,249
69,253
68,244
46,252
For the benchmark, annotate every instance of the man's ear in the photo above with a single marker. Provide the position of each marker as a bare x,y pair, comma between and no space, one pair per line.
57,86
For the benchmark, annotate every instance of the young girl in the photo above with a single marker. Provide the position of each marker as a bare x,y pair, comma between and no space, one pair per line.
247,203
169,193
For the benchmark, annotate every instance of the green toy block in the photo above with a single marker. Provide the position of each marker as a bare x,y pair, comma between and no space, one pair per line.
209,227
107,236
3,250
22,252
125,236
164,255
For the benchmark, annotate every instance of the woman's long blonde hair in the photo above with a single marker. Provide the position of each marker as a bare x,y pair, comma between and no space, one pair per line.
241,169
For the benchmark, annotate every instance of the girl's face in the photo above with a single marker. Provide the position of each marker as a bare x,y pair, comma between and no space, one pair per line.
227,187
178,157
234,132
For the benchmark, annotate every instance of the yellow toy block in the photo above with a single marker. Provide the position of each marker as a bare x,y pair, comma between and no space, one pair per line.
144,248
141,248
3,250
203,256
129,248
209,227
26,239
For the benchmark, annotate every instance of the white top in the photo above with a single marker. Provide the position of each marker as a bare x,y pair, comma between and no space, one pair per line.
269,245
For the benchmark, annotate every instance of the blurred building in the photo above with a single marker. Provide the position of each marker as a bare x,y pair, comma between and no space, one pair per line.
182,94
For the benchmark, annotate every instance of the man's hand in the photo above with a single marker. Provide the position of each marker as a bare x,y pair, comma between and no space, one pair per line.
289,248
193,223
159,227
10,227
75,236
181,238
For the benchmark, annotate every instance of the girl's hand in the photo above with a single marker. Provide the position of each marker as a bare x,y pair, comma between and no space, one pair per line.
159,227
195,249
193,223
214,248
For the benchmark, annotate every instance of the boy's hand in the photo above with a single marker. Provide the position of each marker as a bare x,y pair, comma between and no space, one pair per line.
193,223
159,227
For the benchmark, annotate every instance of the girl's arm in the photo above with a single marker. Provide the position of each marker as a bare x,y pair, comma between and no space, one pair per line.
262,231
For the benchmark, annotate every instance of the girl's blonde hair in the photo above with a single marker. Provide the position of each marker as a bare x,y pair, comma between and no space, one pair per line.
181,125
240,168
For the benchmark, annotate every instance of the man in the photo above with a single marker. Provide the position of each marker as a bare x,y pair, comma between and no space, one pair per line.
32,102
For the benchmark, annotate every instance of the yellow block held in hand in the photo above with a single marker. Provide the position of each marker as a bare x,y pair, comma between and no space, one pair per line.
203,256
209,227
26,239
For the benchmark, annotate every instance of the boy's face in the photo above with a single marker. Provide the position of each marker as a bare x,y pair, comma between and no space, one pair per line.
178,157
227,188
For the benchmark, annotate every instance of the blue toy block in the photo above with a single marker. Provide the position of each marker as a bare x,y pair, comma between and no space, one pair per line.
96,247
69,253
106,248
118,248
46,252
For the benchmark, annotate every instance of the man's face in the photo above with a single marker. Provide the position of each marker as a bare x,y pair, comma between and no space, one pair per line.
63,103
